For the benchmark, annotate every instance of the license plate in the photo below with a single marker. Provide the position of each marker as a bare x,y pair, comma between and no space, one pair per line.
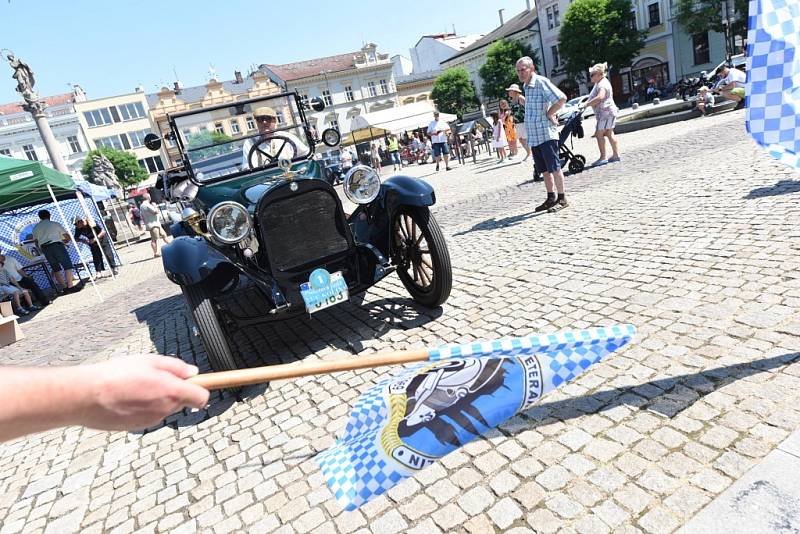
323,290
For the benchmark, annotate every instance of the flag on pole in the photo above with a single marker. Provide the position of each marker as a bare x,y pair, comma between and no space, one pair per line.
773,78
407,422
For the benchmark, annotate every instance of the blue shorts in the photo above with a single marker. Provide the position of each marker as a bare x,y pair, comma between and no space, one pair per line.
545,156
439,149
57,256
395,157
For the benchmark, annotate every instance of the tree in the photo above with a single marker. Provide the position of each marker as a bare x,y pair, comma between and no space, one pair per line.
595,31
207,138
126,167
701,16
498,72
453,92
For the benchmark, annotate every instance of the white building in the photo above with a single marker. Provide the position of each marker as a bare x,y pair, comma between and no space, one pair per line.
19,136
401,66
429,52
350,84
523,27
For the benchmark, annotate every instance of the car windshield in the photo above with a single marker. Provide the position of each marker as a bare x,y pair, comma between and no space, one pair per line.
241,137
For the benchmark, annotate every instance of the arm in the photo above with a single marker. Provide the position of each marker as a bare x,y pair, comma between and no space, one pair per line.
556,97
121,394
601,95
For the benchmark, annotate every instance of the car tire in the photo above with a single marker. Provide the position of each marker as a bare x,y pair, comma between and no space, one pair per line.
218,350
426,273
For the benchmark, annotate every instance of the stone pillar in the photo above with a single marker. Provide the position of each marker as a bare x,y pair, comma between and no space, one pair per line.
37,110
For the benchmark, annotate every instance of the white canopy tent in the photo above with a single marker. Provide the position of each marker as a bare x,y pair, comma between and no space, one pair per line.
399,119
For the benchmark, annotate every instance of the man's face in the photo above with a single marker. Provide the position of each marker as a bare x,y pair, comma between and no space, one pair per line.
266,123
524,72
436,116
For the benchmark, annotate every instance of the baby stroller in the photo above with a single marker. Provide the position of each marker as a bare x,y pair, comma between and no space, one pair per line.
575,163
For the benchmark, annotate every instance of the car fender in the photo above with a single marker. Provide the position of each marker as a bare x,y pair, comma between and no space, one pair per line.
405,190
189,260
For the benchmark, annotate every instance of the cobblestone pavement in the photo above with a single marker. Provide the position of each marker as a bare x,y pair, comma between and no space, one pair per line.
693,238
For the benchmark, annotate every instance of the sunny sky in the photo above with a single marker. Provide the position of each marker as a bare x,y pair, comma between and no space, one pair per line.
111,47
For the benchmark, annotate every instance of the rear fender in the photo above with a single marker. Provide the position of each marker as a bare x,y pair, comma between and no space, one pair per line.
189,260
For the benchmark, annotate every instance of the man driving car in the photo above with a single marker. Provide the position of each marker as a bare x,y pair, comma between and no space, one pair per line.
271,145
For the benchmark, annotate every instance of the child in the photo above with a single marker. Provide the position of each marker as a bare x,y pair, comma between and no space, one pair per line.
705,100
499,141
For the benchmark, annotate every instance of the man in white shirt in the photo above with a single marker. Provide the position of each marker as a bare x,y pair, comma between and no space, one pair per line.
151,221
9,287
23,279
732,84
267,121
438,130
50,236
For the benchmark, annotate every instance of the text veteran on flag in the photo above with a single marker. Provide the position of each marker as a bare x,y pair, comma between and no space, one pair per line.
407,422
773,78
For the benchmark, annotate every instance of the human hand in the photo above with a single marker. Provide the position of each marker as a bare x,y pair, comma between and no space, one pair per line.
553,119
136,392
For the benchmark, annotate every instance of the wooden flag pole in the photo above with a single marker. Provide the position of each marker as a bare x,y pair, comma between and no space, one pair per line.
259,375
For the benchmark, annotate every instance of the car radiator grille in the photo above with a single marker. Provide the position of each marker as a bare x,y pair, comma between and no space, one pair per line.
301,229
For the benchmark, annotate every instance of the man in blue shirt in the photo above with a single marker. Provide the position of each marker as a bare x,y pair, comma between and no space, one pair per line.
542,100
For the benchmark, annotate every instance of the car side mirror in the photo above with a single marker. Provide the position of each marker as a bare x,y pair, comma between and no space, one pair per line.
331,137
317,104
152,141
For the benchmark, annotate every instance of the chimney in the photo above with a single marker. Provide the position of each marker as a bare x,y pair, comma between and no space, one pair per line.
176,87
238,76
500,12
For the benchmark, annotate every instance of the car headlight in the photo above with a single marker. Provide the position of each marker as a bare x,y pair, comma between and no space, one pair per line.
229,222
361,184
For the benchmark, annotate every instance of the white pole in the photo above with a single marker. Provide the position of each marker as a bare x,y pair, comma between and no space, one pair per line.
96,239
74,244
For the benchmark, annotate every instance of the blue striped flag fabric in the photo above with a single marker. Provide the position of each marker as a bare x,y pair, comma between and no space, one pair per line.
407,422
773,78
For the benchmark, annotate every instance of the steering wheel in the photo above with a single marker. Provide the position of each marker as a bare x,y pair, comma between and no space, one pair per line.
281,141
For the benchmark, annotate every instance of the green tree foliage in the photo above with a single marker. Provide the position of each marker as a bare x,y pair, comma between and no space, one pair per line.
597,31
453,92
126,166
700,16
498,72
207,138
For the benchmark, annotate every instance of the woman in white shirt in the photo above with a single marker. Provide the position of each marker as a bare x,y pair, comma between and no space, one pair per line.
605,112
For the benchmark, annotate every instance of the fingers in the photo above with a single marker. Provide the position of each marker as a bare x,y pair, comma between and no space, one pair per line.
192,395
176,366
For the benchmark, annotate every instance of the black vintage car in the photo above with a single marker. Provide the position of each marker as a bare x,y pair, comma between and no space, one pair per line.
266,237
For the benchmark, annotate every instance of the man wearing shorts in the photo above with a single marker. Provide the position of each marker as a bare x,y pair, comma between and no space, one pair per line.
49,236
542,101
732,84
437,130
150,217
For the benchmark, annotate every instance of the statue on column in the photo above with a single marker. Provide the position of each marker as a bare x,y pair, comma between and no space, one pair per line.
24,76
103,173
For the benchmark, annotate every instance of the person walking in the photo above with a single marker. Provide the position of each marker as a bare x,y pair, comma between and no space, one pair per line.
437,131
542,100
518,111
394,153
601,99
507,118
50,236
150,218
375,157
499,141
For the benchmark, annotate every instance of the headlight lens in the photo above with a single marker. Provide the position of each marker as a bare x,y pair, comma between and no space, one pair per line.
229,222
361,184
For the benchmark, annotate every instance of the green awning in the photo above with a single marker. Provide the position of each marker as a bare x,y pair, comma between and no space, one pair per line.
24,183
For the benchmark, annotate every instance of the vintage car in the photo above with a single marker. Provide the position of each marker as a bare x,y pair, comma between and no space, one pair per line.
264,236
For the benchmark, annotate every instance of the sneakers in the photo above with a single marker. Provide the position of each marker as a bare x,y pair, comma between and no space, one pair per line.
613,159
600,162
35,307
546,205
437,166
447,169
23,312
115,271
558,205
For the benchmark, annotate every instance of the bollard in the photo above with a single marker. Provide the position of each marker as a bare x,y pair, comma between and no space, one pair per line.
635,106
656,101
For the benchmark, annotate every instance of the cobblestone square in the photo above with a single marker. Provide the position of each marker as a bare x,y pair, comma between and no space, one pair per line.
693,238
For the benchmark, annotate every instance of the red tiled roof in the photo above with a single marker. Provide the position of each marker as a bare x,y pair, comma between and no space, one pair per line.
16,107
313,67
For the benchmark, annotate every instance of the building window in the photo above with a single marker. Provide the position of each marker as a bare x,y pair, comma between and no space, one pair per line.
30,153
131,111
187,134
151,164
251,124
550,18
137,137
74,145
326,97
384,87
655,14
110,142
334,124
5,152
348,92
700,48
279,115
218,128
235,127
97,117
556,18
304,100
632,21
372,90
554,50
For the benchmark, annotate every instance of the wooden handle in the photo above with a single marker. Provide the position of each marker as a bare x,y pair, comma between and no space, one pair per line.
259,375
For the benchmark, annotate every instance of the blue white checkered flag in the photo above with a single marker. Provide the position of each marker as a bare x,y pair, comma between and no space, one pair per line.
407,422
773,78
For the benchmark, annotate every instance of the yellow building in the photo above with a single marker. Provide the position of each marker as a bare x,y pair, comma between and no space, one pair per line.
120,122
415,87
213,93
